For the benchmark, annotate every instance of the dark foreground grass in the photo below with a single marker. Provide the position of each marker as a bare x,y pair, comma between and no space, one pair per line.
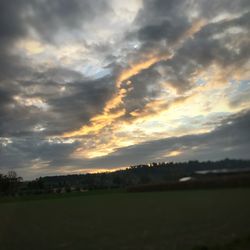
204,219
236,244
52,196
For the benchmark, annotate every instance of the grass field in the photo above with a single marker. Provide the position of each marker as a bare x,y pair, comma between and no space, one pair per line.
198,219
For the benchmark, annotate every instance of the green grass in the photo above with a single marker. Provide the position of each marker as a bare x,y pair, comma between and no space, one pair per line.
48,196
204,219
236,244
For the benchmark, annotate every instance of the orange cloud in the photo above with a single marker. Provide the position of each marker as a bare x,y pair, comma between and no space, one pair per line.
112,111
126,75
196,27
173,153
159,116
97,123
135,69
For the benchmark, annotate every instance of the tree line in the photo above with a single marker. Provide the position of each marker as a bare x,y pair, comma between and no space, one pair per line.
151,173
144,174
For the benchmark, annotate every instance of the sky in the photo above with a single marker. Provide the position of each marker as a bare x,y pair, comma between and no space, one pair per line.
99,85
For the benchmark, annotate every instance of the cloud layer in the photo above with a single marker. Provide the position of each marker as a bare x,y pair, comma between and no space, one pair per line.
88,85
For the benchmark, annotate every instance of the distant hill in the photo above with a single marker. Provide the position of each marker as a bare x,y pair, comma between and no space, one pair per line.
152,173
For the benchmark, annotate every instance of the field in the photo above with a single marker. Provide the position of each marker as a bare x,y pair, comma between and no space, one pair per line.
197,219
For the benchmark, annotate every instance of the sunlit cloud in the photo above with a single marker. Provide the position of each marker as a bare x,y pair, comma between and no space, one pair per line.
33,101
85,84
31,47
109,116
173,153
172,114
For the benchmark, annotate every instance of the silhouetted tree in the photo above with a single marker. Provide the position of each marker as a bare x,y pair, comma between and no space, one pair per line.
9,183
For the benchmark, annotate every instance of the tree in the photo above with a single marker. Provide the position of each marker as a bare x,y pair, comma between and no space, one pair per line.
14,182
9,183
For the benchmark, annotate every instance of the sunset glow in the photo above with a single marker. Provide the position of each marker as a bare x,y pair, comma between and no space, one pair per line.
93,86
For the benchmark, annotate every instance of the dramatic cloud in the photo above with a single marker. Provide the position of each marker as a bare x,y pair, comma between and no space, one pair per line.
97,84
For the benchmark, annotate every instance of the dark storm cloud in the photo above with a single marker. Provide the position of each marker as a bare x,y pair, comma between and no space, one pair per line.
62,110
25,152
159,10
11,28
161,20
145,89
76,109
48,17
229,49
82,98
201,51
14,119
169,20
160,23
210,9
5,98
19,121
166,30
176,14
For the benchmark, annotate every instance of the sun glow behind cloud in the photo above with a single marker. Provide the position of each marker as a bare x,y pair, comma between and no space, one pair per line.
110,114
170,114
108,117
98,79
